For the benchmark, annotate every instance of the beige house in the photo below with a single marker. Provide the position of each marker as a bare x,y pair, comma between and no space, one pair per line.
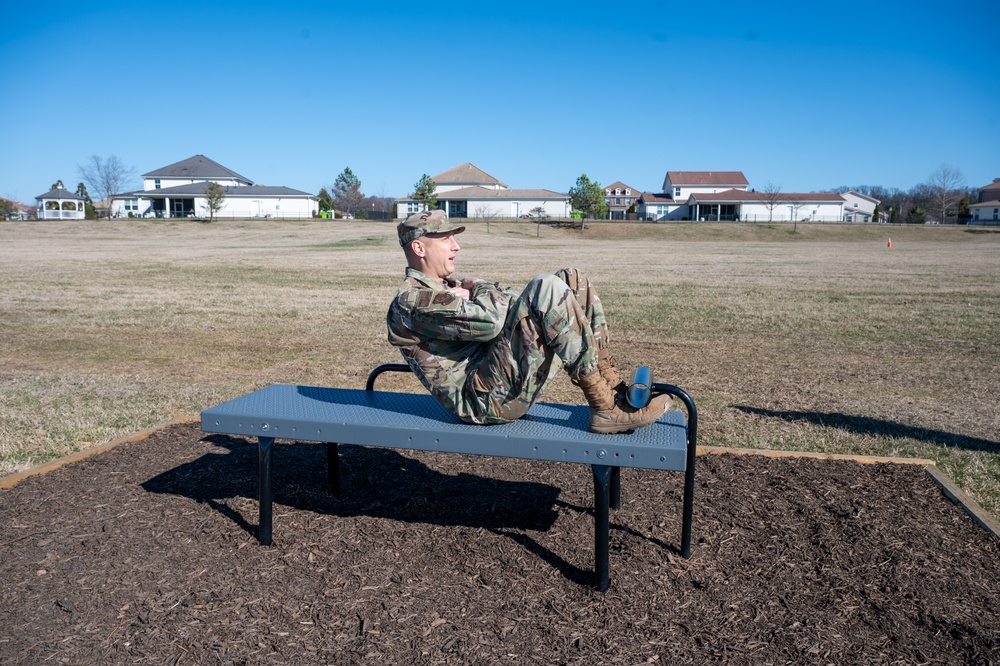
986,209
468,191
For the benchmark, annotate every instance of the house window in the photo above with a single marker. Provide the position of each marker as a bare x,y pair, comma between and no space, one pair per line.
617,191
131,204
855,204
156,184
677,192
628,200
618,201
628,191
413,207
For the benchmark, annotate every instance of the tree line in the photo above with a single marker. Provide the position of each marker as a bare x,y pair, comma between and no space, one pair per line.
345,198
944,198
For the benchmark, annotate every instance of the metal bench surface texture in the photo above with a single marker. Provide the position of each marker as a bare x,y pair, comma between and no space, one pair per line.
416,421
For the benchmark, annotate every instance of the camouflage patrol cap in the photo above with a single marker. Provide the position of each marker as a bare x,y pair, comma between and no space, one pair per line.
428,222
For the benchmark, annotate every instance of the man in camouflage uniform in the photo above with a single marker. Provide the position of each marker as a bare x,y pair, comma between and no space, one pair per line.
486,352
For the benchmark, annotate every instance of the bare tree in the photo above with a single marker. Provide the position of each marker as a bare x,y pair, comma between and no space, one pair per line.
215,200
487,214
794,208
945,187
771,195
106,178
538,212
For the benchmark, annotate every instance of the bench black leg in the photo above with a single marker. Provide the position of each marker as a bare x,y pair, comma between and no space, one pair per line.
264,450
333,467
688,501
616,488
602,525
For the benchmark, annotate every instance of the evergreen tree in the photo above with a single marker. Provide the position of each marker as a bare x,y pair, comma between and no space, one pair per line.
347,192
588,197
81,189
425,191
325,200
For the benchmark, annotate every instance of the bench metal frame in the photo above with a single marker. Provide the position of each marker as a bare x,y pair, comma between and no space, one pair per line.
416,421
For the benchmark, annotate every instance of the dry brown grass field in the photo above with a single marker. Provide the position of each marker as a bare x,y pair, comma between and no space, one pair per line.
819,339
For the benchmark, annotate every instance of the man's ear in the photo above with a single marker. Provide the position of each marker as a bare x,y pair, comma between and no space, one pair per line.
417,247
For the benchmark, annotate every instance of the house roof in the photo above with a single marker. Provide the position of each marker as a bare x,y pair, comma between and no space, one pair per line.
467,174
198,189
707,178
486,193
993,203
863,196
995,185
661,197
18,205
60,193
477,192
618,185
737,196
197,167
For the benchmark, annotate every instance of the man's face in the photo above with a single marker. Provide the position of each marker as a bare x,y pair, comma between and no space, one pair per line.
439,251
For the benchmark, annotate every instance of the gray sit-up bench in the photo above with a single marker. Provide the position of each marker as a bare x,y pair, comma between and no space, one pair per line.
416,421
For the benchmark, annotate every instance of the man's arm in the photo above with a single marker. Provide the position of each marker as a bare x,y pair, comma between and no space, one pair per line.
448,315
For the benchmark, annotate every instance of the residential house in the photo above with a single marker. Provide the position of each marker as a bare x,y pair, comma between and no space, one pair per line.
180,190
860,207
619,197
468,191
60,204
660,207
15,210
682,184
740,205
986,209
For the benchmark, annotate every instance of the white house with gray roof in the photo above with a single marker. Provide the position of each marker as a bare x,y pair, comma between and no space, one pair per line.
468,191
179,190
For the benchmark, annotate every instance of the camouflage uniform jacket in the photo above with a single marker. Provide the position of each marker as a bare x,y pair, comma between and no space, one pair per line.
446,338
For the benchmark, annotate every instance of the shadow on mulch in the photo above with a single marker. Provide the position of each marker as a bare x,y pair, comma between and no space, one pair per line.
147,553
375,483
864,425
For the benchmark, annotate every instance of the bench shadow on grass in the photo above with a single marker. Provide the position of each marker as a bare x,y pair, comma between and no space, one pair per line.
374,482
863,425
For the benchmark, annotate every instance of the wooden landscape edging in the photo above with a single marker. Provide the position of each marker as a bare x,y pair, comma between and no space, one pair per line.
948,487
12,480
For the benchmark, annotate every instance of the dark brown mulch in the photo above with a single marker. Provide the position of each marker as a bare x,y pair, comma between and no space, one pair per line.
147,554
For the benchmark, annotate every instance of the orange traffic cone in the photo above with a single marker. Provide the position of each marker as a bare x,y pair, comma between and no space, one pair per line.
890,243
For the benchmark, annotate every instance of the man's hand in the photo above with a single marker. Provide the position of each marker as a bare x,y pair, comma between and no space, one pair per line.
470,283
460,291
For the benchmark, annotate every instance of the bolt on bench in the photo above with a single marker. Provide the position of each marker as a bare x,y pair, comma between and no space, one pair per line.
548,431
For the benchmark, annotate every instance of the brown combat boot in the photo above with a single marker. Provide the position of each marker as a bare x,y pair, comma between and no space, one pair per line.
610,413
606,365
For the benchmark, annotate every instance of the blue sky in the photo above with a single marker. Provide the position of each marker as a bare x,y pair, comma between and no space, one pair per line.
807,96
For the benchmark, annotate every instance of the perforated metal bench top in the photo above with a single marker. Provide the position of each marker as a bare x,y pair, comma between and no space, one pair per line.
416,421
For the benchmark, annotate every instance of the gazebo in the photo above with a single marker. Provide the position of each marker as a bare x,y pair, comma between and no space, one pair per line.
60,204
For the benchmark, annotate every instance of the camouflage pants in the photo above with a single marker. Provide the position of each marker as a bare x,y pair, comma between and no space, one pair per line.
557,321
